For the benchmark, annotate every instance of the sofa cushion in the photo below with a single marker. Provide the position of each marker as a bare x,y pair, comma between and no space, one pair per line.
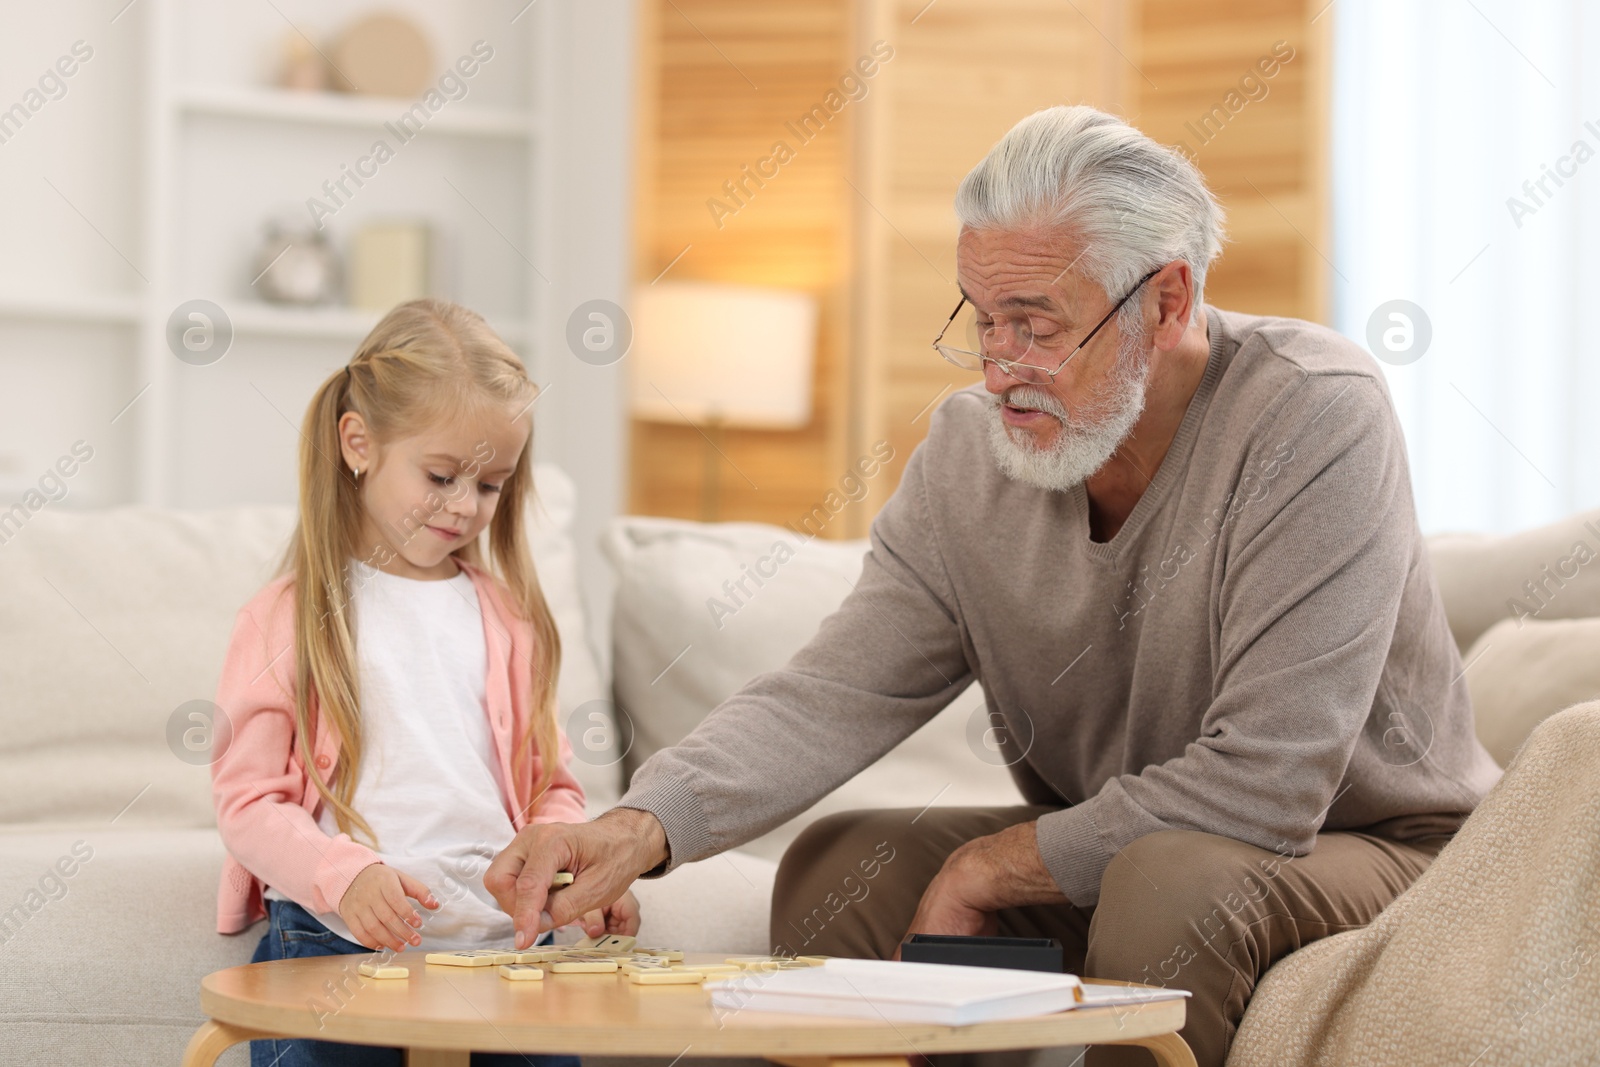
1549,572
142,901
687,636
1520,672
114,619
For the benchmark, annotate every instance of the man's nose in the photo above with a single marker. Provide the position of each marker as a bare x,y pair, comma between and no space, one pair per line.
996,380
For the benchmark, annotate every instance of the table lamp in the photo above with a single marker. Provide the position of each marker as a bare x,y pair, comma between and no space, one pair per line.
712,355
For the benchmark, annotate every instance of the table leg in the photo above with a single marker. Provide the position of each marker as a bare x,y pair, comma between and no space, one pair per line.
1170,1050
212,1039
437,1057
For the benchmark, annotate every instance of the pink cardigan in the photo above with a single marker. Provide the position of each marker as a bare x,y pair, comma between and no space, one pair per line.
266,804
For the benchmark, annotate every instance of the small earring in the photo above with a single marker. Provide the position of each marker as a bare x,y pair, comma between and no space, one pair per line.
355,472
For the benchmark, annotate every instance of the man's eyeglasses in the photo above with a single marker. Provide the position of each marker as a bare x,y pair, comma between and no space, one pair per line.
967,359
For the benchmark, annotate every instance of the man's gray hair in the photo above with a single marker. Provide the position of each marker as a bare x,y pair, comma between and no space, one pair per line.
1135,204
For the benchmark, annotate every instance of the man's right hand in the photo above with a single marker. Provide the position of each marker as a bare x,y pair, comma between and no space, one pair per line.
604,856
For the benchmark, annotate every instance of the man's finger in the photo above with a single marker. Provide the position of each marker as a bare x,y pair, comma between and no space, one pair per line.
628,909
501,877
593,889
529,915
548,851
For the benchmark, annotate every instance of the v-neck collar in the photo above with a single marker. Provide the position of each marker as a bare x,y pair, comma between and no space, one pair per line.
1175,459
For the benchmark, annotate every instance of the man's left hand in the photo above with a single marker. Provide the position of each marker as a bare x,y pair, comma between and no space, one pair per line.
1002,870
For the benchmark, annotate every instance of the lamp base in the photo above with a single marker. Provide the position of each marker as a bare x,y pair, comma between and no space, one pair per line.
711,480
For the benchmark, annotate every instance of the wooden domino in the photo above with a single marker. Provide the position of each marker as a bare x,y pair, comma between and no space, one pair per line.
608,944
583,965
384,970
573,953
542,954
813,961
710,970
562,878
521,972
768,963
748,961
642,963
665,976
473,957
662,953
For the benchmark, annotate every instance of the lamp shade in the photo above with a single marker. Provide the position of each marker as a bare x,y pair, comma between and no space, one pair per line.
734,354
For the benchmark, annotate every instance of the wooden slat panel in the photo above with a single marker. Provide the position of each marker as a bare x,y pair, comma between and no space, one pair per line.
964,73
728,78
1263,152
862,215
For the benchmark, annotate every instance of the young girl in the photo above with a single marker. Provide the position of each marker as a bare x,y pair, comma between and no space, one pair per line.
396,680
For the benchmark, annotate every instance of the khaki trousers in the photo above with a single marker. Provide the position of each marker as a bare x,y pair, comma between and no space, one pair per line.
1177,908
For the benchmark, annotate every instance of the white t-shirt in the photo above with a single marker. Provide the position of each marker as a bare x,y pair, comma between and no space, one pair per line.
430,785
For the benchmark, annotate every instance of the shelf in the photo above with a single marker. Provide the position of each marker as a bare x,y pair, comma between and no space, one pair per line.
339,109
113,309
331,323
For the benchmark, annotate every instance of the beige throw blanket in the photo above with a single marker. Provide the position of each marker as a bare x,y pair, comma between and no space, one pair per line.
1491,958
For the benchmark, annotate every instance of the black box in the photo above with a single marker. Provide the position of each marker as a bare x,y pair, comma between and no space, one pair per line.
1018,953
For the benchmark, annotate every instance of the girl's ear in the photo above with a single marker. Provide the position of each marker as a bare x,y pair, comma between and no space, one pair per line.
354,441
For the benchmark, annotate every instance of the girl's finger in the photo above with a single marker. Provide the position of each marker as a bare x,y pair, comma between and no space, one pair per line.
395,922
371,935
394,898
378,923
417,891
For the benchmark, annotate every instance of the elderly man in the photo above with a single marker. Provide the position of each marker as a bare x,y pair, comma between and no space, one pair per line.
1177,547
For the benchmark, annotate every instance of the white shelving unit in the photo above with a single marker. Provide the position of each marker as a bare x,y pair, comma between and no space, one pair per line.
218,152
341,110
114,309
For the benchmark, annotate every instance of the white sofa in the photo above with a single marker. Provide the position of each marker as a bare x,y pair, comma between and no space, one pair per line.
113,620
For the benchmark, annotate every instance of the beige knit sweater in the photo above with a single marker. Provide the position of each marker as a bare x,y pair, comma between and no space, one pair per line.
1491,958
1259,652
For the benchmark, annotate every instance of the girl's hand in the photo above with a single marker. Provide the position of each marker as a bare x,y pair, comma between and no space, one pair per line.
619,917
375,908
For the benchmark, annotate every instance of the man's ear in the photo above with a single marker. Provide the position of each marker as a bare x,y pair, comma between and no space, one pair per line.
1174,287
355,443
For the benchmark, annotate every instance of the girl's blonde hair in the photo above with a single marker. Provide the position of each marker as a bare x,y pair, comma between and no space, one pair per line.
426,362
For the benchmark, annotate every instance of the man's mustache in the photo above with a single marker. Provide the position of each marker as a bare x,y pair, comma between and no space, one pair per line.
1032,398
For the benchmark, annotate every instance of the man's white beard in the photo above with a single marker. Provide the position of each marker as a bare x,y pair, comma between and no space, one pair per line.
1084,441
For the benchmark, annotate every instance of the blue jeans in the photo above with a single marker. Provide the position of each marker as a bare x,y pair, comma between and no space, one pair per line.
293,933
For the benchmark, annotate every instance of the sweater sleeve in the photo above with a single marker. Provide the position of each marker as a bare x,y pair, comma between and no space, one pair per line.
257,786
879,667
1309,595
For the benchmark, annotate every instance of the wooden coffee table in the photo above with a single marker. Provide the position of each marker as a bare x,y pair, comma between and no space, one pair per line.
440,1013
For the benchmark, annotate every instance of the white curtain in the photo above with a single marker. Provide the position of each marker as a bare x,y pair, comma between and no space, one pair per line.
1443,109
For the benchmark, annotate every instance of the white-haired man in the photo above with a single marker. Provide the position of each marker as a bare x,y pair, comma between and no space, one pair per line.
1177,546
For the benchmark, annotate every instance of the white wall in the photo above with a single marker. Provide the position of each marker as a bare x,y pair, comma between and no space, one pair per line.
582,424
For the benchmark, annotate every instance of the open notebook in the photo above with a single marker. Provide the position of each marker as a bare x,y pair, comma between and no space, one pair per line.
942,994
